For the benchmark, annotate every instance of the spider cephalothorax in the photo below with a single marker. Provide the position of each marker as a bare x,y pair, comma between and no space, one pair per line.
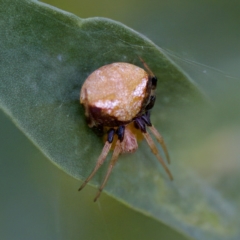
118,98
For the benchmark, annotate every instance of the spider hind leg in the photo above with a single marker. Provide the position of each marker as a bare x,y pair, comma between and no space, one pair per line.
140,123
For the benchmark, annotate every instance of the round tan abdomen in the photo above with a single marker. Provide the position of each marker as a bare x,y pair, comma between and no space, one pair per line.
117,90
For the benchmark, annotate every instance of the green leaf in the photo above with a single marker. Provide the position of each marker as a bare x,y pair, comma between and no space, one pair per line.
46,54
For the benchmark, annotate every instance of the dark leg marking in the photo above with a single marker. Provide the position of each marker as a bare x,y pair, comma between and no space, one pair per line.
110,133
140,124
146,118
151,102
154,82
120,132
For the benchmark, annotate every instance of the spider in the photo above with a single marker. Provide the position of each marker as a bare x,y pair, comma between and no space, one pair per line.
117,98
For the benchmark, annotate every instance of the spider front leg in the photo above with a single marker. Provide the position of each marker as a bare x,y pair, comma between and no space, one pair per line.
101,158
117,150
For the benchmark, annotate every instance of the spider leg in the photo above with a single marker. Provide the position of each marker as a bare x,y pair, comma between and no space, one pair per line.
116,152
100,161
158,136
151,103
101,158
152,76
146,66
155,152
140,123
160,140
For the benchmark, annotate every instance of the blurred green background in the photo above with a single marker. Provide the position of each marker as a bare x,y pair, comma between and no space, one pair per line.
39,201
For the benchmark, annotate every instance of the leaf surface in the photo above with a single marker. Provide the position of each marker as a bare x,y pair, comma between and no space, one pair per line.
46,55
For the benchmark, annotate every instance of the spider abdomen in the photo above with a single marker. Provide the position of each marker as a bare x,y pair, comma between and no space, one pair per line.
115,94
